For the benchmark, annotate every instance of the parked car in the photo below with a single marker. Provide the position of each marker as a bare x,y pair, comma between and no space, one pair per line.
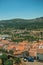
31,59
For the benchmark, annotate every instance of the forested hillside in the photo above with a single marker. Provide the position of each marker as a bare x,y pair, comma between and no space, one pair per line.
31,24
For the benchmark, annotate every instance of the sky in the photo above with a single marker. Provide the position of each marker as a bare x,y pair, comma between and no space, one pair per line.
25,9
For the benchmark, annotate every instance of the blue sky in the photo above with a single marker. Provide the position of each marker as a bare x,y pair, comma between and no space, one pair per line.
26,9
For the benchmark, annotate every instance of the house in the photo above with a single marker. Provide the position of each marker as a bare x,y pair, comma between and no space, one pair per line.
33,53
19,50
11,47
4,41
5,37
25,44
22,48
18,53
1,45
40,52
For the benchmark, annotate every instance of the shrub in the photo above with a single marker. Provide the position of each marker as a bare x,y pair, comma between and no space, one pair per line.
8,62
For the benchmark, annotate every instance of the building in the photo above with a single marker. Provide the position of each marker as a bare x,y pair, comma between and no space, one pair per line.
40,52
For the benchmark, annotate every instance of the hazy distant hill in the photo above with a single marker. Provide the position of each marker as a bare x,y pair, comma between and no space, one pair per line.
22,23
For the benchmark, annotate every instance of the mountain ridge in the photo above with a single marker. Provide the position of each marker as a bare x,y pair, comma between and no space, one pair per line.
22,19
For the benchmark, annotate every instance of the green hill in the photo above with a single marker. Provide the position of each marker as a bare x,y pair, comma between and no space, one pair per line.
31,24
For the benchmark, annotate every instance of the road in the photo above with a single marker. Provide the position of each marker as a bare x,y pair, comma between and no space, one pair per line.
33,63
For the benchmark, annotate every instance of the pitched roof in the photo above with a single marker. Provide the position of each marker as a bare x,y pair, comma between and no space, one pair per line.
17,52
33,52
10,47
40,51
4,41
21,48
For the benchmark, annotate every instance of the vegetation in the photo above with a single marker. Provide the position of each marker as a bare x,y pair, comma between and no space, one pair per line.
17,61
32,24
4,58
11,51
8,62
10,27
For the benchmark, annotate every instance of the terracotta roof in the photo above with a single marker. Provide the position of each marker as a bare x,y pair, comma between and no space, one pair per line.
1,45
40,51
4,41
33,52
18,52
23,43
10,47
21,48
35,45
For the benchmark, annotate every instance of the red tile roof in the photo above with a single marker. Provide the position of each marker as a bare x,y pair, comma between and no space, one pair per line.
17,52
4,41
40,51
33,52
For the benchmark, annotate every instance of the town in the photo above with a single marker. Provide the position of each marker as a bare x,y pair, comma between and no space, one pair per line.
20,51
21,32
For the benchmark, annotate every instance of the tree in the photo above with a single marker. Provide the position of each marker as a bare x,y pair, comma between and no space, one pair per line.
17,61
8,62
11,51
41,34
4,58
